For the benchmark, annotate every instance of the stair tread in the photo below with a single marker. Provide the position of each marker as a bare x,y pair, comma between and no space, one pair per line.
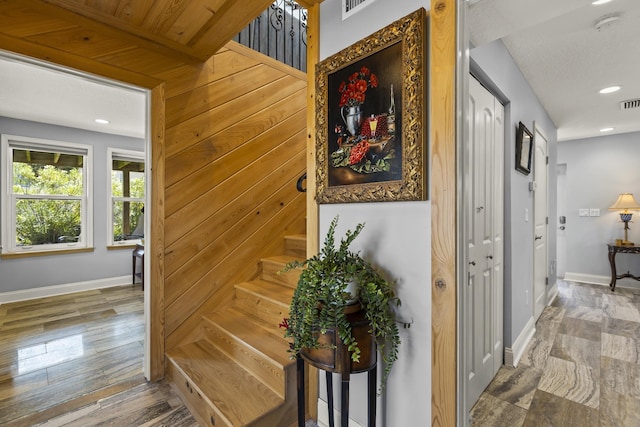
282,258
264,337
296,236
241,397
273,291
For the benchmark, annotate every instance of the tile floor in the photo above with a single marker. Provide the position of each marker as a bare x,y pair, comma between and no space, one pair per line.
582,367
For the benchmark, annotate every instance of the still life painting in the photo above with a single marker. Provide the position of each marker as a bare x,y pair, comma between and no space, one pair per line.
371,117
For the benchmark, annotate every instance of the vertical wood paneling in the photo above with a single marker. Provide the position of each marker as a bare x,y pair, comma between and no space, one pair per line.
443,217
257,202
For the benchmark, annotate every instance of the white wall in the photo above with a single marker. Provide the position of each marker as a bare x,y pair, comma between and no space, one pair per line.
397,238
598,170
499,72
19,274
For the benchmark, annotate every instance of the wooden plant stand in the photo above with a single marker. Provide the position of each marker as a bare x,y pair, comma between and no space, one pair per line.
336,359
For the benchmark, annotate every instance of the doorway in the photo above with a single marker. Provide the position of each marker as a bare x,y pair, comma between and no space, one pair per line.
29,83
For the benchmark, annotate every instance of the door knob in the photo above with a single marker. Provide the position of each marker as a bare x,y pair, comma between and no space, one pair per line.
562,227
489,256
472,263
538,237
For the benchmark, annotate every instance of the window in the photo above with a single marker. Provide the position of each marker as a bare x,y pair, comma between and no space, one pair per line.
126,196
46,185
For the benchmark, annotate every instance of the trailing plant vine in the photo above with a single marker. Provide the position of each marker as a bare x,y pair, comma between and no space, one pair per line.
321,296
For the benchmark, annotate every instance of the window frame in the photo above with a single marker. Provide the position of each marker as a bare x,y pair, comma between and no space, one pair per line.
132,155
8,211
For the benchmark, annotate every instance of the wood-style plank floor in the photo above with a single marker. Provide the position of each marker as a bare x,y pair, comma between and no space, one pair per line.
76,360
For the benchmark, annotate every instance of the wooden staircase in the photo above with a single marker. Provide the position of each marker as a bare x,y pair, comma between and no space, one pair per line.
239,373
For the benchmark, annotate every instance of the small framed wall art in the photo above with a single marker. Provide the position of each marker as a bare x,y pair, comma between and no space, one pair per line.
524,148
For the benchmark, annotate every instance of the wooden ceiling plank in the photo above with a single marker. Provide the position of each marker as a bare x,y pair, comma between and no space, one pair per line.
134,11
114,27
19,21
139,60
81,41
56,56
194,17
163,14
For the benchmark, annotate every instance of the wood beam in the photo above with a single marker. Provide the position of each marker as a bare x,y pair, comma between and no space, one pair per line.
224,24
155,248
308,4
442,139
313,56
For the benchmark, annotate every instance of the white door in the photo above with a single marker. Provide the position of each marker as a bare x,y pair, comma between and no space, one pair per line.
483,213
540,173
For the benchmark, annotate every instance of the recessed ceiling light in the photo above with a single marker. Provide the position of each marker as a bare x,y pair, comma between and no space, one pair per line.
597,2
610,89
102,121
606,129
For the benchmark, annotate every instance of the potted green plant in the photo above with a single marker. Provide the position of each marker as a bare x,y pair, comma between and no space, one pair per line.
321,301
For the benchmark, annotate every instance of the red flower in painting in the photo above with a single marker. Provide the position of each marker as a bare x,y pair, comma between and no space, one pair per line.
353,91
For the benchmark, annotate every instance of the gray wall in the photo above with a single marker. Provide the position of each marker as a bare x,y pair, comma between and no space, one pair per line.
35,272
598,170
497,69
396,237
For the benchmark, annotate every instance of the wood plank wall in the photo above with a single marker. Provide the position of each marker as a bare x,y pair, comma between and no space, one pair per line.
228,139
235,149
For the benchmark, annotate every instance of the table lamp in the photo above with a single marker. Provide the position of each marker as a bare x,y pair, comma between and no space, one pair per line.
624,203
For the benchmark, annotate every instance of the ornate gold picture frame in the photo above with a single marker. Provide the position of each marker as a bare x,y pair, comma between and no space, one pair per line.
371,117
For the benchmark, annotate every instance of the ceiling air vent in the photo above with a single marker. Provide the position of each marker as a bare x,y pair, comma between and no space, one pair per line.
630,104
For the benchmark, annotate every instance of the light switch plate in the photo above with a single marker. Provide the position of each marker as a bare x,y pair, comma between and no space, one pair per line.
583,212
594,212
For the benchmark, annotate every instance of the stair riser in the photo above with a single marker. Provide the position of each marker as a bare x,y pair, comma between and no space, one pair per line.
268,310
206,413
270,272
268,372
296,247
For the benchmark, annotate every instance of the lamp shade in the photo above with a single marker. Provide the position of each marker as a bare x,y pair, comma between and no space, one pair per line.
625,202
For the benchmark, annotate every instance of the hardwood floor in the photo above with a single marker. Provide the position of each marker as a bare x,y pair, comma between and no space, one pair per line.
582,367
76,360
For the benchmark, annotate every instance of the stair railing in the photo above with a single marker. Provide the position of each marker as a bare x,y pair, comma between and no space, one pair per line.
280,32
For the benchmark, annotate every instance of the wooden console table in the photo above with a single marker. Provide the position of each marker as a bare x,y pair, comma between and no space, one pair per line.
613,250
338,360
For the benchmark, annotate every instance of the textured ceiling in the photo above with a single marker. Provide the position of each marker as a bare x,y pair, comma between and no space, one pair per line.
566,60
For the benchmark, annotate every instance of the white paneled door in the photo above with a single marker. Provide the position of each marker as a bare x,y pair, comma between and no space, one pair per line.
540,173
483,216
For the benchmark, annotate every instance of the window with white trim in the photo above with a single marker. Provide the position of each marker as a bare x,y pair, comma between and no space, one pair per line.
126,196
46,185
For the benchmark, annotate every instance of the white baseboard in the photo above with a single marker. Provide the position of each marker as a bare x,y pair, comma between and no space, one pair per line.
49,291
601,280
512,355
323,415
587,278
552,293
